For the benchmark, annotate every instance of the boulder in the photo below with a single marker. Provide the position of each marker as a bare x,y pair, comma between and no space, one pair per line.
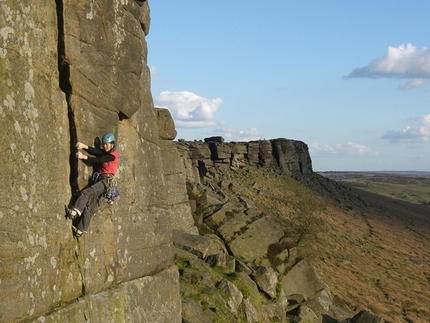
252,314
234,295
220,154
198,150
216,139
195,157
366,317
320,303
244,246
302,279
192,312
266,279
183,254
233,226
275,313
166,126
196,244
215,219
241,267
216,245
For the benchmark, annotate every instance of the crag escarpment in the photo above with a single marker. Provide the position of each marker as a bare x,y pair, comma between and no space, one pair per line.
290,157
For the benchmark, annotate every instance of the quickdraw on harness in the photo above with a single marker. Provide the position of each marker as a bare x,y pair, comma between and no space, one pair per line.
111,193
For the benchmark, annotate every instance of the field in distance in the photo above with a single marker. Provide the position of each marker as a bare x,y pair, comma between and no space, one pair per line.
412,187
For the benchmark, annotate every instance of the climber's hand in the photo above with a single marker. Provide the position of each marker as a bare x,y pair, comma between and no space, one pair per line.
80,145
80,155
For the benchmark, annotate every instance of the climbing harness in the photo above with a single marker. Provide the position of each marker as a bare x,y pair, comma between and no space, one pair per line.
111,193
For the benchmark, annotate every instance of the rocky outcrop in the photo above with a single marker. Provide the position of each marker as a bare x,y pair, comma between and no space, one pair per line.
71,71
244,264
290,157
215,291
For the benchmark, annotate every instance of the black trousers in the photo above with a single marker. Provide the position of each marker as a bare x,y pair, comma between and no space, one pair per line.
86,203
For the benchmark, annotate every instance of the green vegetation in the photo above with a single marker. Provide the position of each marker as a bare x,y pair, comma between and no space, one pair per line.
197,280
409,188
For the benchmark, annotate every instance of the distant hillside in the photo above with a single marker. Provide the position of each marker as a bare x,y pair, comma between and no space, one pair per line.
412,187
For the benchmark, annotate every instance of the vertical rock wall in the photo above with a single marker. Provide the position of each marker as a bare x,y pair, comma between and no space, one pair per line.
71,71
37,269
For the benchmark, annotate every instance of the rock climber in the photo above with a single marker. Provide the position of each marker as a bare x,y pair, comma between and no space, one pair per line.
107,161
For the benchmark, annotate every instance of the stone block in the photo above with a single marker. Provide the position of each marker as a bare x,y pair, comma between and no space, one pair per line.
244,246
166,126
266,279
302,279
192,312
196,244
234,295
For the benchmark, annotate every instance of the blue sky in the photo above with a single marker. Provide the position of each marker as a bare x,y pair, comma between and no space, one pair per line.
349,78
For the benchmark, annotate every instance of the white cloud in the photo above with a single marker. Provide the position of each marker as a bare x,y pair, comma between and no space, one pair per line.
247,135
405,62
413,84
194,124
418,131
232,134
188,109
349,148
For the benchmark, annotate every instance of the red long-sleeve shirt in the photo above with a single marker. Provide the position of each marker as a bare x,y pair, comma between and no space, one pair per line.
108,161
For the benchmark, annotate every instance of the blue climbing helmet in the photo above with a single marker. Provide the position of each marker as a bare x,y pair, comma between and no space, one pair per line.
108,137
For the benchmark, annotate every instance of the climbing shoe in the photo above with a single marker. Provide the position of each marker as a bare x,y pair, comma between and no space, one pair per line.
76,232
70,215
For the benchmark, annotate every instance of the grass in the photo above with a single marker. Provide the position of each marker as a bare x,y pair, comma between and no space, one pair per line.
361,253
408,188
209,297
377,246
412,193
